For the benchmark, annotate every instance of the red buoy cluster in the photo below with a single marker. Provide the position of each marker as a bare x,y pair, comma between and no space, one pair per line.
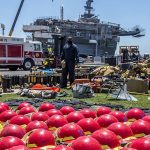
47,128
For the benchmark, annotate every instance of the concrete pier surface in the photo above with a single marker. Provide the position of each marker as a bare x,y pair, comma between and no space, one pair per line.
18,72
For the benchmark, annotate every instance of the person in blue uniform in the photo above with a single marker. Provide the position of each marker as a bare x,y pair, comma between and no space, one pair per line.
69,58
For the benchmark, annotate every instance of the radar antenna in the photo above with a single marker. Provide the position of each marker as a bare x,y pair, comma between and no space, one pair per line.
88,9
88,16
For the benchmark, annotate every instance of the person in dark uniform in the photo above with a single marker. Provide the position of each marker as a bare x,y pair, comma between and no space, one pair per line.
69,58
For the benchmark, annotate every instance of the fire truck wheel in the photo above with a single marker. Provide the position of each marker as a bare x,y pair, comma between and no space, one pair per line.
13,68
28,64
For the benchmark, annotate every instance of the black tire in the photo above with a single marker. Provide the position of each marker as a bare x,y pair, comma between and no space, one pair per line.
13,68
28,64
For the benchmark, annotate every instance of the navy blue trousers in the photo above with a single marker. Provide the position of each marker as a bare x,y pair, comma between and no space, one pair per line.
69,69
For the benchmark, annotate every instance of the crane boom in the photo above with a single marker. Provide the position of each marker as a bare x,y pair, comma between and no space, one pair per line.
16,18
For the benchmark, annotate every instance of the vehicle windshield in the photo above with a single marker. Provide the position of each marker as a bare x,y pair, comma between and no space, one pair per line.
37,47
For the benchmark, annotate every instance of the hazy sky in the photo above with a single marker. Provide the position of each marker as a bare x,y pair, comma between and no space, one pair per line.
128,13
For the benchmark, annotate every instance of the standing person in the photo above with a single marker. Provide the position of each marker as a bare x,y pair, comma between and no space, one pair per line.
69,57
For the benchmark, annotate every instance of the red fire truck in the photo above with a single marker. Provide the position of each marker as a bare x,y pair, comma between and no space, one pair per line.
16,53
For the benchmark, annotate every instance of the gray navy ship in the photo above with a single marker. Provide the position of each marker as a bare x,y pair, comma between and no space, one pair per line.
91,35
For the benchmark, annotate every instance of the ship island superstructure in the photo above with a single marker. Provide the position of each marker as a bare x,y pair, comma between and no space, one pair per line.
91,35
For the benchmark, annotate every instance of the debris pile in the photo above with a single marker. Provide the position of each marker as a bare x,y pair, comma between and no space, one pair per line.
138,69
105,71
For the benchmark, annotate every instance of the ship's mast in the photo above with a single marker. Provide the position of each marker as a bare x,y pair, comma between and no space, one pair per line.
88,16
88,9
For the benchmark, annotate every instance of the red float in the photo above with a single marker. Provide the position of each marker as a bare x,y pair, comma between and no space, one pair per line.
7,115
106,120
54,112
2,109
107,138
20,147
24,104
135,113
140,128
9,142
141,144
103,111
5,105
119,115
74,117
46,107
66,110
19,120
13,130
39,116
88,125
69,132
128,149
36,125
26,110
146,118
56,121
62,147
121,129
86,143
88,113
40,138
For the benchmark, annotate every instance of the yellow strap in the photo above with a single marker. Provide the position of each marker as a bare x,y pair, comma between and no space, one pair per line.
23,126
105,147
117,148
1,125
42,148
128,123
66,139
88,133
131,120
129,138
31,145
52,128
47,147
139,135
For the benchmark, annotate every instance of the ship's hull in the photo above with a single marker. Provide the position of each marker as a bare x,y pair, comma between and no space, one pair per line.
88,48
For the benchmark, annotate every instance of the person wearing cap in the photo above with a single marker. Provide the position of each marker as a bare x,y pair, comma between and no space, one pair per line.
69,58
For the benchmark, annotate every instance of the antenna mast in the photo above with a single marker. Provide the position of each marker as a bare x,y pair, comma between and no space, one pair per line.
88,9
